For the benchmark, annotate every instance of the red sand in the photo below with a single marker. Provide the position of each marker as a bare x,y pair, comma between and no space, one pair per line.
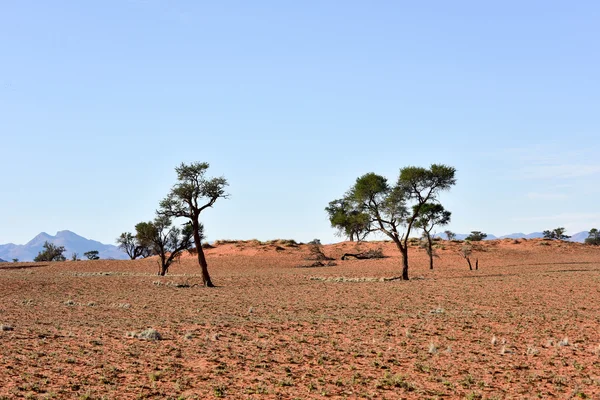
526,325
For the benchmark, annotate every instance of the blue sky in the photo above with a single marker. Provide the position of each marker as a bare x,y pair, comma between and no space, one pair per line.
291,102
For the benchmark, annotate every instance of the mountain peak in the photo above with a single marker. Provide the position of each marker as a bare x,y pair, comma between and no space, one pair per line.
66,234
39,239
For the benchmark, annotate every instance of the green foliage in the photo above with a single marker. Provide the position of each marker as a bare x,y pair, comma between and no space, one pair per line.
349,222
431,215
593,237
92,255
131,245
51,252
556,234
193,193
476,236
390,207
167,241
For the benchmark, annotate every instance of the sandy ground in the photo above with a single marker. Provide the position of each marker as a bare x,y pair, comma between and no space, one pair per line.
525,325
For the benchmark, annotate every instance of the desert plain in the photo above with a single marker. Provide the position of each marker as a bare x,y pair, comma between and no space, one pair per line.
525,325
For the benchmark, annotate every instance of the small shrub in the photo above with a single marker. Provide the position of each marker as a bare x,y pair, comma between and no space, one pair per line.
149,334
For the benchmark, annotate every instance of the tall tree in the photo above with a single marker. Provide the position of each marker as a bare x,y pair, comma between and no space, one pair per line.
167,241
349,222
430,216
388,206
192,194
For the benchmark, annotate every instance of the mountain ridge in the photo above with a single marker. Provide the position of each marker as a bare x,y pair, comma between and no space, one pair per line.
72,242
578,237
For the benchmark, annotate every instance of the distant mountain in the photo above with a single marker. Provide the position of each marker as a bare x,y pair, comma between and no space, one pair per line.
72,242
534,235
577,237
1,260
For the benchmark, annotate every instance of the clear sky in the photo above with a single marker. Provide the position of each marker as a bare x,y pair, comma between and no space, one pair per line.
291,101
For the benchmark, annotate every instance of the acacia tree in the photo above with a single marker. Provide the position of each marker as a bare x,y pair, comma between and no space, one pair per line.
132,246
349,222
476,236
387,206
431,215
92,255
51,252
167,241
192,194
558,233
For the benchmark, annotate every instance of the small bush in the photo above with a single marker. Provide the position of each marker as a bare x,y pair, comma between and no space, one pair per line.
147,334
316,251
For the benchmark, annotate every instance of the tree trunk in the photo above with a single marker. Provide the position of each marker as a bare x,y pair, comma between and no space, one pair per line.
470,266
405,264
163,271
201,258
430,247
404,252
